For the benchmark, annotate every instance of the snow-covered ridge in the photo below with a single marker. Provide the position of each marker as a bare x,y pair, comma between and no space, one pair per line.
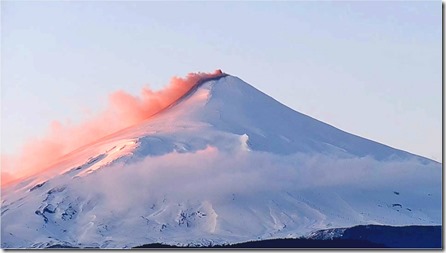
204,78
225,163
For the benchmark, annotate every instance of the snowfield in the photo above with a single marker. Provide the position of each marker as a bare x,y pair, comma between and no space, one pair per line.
224,164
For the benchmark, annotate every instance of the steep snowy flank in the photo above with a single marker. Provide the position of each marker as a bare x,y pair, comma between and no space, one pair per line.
224,163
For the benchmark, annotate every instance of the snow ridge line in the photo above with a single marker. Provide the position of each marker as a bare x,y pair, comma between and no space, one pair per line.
209,77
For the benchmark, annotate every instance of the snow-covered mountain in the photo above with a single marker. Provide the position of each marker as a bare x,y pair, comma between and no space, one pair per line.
223,164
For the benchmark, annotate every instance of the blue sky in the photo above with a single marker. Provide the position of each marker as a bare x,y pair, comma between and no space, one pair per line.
369,68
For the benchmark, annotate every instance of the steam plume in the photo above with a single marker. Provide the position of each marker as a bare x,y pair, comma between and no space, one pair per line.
123,110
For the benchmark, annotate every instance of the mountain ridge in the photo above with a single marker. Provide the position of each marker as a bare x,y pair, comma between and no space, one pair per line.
225,163
307,118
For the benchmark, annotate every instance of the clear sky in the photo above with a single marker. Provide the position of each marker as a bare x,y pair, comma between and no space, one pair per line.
369,68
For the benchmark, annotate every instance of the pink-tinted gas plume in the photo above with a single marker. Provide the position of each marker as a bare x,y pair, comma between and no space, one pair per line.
123,110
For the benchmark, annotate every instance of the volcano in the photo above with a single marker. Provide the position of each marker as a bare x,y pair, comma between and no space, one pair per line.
223,164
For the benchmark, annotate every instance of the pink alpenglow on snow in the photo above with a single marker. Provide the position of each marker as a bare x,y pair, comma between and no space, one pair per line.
123,110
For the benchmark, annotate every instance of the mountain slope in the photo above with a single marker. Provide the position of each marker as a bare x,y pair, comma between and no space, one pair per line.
225,163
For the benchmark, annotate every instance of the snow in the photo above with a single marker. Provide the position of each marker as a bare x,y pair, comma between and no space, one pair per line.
224,164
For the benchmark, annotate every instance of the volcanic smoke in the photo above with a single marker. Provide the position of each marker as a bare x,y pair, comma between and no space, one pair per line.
123,110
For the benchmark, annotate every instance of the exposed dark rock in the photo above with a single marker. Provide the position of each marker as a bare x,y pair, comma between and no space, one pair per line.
37,186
